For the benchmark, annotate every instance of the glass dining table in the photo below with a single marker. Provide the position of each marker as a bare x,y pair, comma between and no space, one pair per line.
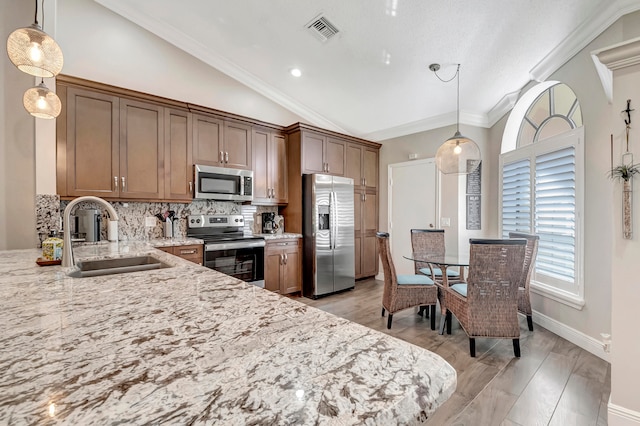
443,262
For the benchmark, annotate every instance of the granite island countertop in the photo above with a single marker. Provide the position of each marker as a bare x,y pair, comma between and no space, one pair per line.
187,344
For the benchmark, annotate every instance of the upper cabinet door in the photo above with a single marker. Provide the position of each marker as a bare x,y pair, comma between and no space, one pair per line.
354,164
92,144
207,140
335,156
370,168
278,166
141,150
313,153
261,178
237,145
178,161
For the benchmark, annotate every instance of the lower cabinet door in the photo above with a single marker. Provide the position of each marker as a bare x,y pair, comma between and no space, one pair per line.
272,265
292,276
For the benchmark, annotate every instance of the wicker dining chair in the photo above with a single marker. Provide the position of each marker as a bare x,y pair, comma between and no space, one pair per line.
404,291
430,241
524,302
487,304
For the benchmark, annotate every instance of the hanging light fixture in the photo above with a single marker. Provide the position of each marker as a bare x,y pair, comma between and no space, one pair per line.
41,102
458,154
33,51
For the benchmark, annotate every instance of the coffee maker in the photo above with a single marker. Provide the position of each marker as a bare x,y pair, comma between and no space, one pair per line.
269,225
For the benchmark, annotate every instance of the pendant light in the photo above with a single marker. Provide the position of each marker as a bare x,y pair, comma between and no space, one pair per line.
33,51
458,154
41,102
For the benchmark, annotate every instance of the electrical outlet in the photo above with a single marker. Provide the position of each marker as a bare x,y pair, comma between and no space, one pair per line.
150,221
445,221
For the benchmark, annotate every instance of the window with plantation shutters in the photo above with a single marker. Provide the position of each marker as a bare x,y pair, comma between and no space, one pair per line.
516,197
541,185
555,213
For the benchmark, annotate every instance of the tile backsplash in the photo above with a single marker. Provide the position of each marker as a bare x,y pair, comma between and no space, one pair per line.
131,223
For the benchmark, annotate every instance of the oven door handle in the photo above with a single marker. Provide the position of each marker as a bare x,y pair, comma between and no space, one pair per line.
236,245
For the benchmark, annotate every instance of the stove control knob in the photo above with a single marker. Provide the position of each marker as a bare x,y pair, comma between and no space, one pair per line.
197,220
236,220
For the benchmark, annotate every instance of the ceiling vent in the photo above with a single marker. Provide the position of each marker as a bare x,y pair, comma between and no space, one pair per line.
321,28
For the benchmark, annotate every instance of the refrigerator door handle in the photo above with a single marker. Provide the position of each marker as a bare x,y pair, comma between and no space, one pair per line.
335,226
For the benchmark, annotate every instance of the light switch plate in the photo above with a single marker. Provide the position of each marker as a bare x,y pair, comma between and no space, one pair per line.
150,221
445,221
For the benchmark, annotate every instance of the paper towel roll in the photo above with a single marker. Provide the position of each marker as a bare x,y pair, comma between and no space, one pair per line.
112,230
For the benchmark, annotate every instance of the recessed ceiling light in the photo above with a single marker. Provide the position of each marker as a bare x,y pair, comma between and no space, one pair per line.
296,72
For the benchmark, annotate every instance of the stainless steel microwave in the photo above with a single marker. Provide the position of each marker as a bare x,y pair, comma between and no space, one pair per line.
218,183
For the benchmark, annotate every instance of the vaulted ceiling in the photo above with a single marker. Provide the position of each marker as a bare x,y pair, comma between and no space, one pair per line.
371,79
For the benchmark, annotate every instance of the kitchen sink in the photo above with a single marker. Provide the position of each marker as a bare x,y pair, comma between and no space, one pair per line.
94,268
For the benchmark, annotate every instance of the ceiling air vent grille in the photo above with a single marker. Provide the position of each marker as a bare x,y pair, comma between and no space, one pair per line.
322,29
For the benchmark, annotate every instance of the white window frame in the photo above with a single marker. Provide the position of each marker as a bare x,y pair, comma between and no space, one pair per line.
571,295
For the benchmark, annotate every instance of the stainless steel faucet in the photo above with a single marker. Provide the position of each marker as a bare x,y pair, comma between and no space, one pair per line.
67,253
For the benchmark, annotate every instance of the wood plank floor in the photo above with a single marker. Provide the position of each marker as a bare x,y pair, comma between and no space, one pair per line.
553,383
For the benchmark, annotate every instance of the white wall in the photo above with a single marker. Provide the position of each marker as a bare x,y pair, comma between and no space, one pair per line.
102,46
17,164
625,350
452,187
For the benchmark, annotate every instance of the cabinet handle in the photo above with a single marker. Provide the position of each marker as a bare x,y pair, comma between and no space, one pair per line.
221,157
123,183
286,258
190,187
226,157
193,251
361,197
273,193
115,181
365,197
328,168
281,258
364,181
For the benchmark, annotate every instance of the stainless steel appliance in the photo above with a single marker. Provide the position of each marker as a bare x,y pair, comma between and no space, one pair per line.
227,249
269,225
328,225
219,183
88,223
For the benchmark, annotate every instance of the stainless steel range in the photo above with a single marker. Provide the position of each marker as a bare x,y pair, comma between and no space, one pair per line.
227,249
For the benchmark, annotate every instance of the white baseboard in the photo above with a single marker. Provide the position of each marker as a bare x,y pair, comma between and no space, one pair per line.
620,416
574,336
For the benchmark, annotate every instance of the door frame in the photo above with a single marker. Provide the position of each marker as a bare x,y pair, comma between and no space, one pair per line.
437,212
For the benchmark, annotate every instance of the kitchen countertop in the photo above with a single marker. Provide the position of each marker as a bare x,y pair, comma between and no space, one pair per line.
282,236
173,242
188,344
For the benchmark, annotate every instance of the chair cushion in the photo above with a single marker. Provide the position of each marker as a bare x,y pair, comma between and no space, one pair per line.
414,279
460,288
438,273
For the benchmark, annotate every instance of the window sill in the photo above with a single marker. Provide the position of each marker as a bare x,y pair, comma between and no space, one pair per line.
562,296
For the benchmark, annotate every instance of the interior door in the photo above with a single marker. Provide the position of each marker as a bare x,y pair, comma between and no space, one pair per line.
413,203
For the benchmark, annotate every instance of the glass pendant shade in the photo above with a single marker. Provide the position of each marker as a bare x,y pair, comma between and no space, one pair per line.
41,102
34,52
458,155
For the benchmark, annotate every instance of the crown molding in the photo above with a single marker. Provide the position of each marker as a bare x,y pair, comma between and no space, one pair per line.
601,19
182,41
609,59
503,106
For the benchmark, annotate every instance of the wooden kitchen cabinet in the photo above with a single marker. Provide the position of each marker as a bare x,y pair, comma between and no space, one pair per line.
178,158
207,140
193,252
88,144
269,152
323,154
362,166
365,227
141,150
221,143
114,147
283,265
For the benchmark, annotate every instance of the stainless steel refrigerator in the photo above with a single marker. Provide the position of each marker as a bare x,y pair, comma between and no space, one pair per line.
328,224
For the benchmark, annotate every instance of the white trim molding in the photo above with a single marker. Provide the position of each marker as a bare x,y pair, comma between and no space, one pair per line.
613,58
553,293
621,416
587,343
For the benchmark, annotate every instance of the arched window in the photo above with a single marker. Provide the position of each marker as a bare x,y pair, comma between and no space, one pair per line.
541,176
